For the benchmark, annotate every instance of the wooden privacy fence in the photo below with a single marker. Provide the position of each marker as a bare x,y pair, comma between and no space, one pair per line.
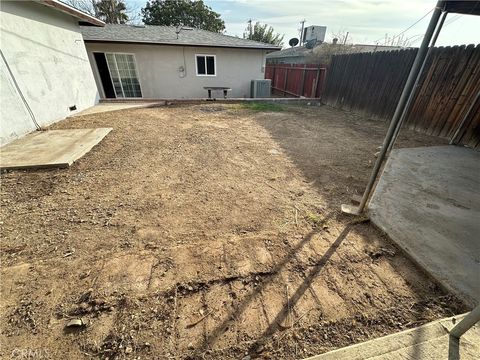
296,79
447,95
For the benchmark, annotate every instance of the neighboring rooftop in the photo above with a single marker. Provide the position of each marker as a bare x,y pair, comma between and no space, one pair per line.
289,52
150,34
302,50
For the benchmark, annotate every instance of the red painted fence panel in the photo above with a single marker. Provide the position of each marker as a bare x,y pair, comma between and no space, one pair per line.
297,80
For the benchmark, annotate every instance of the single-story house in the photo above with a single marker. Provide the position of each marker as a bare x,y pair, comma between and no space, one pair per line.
160,62
45,72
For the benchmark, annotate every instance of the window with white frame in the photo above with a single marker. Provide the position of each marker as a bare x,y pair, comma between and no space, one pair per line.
123,72
206,65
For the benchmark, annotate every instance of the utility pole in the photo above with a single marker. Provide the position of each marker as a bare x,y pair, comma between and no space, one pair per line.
345,40
301,31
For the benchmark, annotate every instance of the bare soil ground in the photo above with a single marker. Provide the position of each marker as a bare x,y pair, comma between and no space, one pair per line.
207,232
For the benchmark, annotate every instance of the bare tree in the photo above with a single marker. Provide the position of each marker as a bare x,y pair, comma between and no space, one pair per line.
400,40
342,36
342,43
87,6
134,12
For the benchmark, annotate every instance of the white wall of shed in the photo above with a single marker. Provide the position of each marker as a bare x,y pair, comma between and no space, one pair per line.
46,54
158,68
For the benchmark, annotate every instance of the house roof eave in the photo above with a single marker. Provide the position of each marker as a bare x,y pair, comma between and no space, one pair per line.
70,10
93,41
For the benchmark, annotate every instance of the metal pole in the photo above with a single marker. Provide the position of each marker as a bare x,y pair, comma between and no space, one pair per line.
301,32
467,322
419,59
439,28
453,140
417,81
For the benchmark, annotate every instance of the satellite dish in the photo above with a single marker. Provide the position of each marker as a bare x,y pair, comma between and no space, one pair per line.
293,42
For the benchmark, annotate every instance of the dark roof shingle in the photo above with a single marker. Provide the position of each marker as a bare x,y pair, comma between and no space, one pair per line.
150,34
289,52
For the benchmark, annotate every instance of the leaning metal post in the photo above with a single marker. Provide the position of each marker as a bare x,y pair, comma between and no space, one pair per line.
417,82
417,64
466,323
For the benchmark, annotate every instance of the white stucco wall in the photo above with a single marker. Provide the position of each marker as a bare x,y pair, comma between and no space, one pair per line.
46,54
158,68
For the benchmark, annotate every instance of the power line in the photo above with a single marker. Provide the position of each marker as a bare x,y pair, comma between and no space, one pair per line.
453,19
416,40
448,22
410,39
415,23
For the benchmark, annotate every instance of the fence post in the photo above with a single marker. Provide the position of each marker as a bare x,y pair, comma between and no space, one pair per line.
273,77
302,88
285,82
314,93
321,82
460,127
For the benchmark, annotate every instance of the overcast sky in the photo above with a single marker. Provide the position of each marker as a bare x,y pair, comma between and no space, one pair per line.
367,21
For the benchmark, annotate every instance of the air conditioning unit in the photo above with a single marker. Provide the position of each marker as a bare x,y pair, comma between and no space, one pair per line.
261,88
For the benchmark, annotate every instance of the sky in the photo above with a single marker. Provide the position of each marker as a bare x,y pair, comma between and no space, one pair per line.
366,21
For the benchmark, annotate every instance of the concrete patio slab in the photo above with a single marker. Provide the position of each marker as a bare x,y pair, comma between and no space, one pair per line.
52,148
427,342
428,202
114,106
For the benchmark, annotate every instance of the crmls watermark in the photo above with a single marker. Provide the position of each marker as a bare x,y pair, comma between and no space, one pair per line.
29,354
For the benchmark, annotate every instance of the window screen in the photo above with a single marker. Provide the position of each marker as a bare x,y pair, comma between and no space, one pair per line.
206,65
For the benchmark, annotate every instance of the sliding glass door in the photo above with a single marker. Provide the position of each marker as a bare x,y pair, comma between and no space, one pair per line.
123,74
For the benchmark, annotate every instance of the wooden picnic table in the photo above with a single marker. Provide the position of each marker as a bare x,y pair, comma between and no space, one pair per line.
217,88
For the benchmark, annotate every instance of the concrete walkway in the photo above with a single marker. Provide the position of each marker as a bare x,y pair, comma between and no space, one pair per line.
428,342
428,202
51,148
114,106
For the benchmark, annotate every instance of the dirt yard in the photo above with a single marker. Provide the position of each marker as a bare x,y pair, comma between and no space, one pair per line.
206,232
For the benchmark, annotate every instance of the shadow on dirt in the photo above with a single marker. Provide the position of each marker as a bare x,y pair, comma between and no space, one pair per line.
292,301
220,329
